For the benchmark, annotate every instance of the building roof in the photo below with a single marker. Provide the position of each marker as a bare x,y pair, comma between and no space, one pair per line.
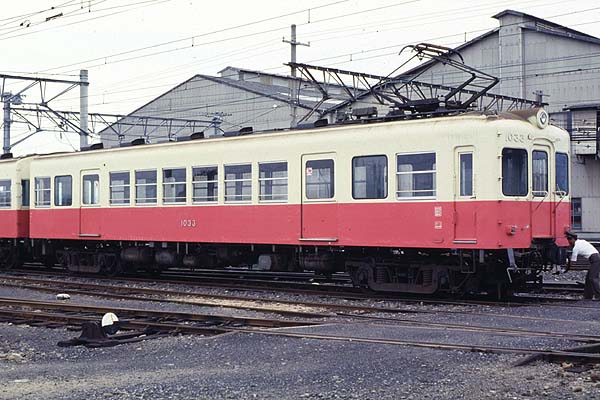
541,25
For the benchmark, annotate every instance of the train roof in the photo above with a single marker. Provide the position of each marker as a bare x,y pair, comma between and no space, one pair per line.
530,116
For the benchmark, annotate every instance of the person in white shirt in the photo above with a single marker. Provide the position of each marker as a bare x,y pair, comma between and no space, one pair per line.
584,249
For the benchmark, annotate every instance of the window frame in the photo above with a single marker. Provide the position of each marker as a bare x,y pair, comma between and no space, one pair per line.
26,193
215,182
434,172
111,186
331,182
540,193
568,177
55,197
92,193
155,184
36,191
174,184
9,192
242,181
526,194
386,177
261,180
579,214
460,174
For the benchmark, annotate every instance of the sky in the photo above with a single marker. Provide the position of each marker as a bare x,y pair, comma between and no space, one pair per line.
136,50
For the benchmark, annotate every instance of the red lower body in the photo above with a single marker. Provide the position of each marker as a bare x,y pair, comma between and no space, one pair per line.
472,224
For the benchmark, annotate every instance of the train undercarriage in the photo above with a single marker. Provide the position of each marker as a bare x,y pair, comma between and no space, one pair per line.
422,271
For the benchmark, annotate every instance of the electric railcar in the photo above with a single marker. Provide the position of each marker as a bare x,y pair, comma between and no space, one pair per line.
457,203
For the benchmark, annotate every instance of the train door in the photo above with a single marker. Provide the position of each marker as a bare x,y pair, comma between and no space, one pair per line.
465,212
89,206
542,207
318,202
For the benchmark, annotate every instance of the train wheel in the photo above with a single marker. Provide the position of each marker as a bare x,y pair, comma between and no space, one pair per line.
9,258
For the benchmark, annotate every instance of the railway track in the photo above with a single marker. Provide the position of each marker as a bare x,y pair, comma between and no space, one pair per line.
54,314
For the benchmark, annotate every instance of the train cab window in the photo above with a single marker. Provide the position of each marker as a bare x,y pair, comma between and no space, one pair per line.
238,182
42,192
205,181
119,188
90,189
320,177
539,166
562,173
25,185
5,193
145,187
515,179
63,191
466,174
369,177
174,185
273,181
416,175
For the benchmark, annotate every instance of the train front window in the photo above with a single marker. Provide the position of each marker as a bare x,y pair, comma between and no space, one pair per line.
145,187
5,193
539,165
562,173
369,177
514,172
174,185
42,192
416,174
63,191
320,179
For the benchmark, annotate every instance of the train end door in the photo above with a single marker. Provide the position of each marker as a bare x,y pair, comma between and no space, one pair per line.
465,213
542,200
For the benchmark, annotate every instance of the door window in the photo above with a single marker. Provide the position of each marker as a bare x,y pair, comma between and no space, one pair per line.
91,189
320,179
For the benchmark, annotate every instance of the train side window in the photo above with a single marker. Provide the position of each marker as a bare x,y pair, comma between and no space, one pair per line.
369,177
466,174
238,182
562,173
25,185
42,192
539,165
91,189
120,188
416,175
145,187
174,185
205,182
515,180
5,193
320,177
63,190
273,181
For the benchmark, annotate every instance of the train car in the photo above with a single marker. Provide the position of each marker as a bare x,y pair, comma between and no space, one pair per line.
14,209
456,203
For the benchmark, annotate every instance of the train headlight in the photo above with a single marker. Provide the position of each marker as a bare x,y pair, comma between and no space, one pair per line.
542,119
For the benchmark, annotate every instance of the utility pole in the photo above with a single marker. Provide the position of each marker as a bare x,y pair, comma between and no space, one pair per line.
8,98
83,108
295,89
